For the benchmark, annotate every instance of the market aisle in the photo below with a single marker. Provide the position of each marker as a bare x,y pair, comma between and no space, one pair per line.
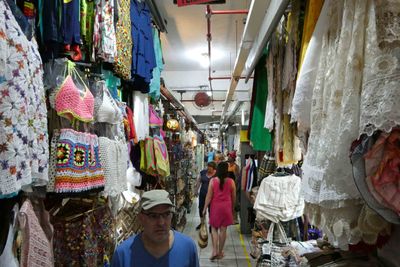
237,247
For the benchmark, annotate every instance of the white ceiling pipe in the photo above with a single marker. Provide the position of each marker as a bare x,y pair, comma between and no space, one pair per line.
269,24
257,11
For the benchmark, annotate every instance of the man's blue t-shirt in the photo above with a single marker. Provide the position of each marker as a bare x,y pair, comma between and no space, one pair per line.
131,253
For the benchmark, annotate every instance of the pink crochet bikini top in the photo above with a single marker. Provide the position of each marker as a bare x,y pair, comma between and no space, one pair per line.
70,104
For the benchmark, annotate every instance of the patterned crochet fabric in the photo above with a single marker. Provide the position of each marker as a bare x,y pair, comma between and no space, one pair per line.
87,240
37,249
70,104
78,166
53,160
114,160
23,114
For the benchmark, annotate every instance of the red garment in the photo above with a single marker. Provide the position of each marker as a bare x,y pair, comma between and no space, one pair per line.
221,203
132,129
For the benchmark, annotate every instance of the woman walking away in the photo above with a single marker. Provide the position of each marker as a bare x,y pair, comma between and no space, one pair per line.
202,182
221,195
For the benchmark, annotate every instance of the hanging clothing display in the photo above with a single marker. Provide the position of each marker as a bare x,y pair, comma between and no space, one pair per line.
70,27
143,56
87,10
313,9
141,114
155,81
381,68
104,42
279,198
113,157
259,136
37,234
123,60
332,87
24,151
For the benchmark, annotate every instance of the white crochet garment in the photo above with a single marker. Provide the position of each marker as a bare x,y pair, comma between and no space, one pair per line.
114,160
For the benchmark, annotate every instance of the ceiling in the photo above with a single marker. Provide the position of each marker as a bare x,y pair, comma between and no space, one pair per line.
185,47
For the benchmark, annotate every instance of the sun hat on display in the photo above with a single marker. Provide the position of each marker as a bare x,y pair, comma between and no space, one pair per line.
154,198
359,175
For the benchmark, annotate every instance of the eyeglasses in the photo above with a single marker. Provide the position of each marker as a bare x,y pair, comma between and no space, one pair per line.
156,216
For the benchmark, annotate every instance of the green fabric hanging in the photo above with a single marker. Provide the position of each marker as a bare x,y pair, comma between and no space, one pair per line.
260,137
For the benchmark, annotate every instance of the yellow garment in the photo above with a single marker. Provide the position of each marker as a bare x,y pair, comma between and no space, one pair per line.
313,9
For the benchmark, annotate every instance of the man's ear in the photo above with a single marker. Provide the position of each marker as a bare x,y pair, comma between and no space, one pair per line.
140,217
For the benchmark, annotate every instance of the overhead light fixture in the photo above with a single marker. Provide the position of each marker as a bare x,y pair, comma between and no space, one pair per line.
204,60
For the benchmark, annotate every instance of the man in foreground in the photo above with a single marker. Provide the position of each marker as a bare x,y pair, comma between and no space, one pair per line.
157,245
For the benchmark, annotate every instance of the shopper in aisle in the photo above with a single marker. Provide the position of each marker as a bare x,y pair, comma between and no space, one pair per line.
234,173
221,195
202,182
157,244
219,157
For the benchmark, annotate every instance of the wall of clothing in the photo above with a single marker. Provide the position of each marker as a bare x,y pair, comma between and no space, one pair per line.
323,95
82,129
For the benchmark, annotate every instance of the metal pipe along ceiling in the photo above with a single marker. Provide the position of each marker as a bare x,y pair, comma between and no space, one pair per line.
210,12
178,105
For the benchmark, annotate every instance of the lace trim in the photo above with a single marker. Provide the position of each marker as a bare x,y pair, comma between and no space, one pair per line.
388,23
381,77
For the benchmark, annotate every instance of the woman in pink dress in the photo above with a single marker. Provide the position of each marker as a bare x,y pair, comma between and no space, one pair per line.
221,194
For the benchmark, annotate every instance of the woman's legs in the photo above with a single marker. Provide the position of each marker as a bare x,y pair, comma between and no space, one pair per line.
221,243
214,235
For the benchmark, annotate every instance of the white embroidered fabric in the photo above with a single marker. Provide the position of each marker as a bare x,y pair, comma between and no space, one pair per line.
141,114
301,104
380,95
270,107
328,185
114,160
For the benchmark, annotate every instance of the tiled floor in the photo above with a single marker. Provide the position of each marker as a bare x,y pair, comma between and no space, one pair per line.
237,246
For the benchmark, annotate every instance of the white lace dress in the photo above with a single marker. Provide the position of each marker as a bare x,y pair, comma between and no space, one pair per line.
339,92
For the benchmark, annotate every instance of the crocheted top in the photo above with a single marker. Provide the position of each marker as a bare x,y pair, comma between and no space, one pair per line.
154,120
36,245
108,111
114,160
70,104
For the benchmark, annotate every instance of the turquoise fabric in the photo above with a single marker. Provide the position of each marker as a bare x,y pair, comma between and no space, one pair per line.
155,81
260,137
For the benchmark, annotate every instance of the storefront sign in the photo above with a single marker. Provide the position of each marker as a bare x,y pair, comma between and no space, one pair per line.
194,2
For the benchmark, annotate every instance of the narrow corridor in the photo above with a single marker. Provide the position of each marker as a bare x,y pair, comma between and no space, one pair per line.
237,246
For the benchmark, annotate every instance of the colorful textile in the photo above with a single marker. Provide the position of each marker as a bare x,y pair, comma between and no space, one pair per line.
87,24
149,166
37,249
143,56
154,119
104,40
70,27
70,104
123,59
24,148
313,9
114,161
260,138
86,240
155,81
78,166
161,156
382,169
